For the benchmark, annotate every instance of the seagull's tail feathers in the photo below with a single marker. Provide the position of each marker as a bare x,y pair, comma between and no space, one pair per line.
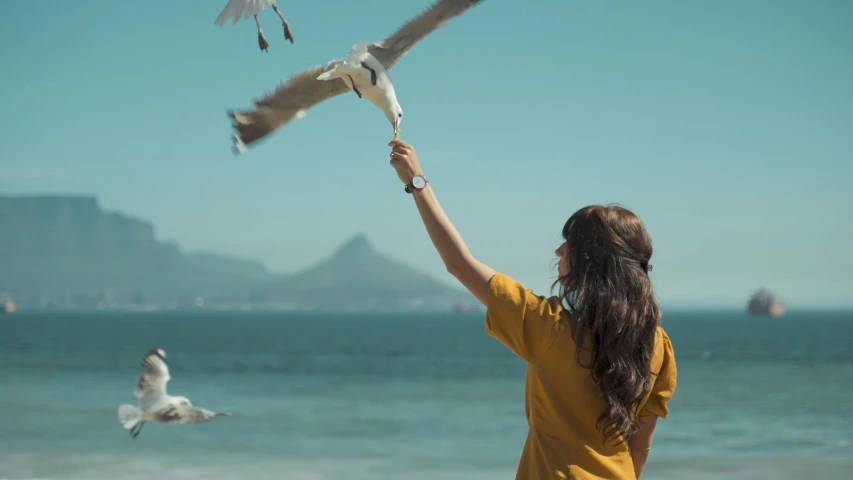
351,62
357,53
341,70
129,415
237,9
330,74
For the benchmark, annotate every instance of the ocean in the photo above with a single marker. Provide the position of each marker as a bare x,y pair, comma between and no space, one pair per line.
423,396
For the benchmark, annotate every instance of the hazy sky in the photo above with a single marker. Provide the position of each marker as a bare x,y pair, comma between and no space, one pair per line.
727,126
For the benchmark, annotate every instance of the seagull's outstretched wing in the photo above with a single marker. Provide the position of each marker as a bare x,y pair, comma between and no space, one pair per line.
292,98
152,381
393,48
177,413
237,9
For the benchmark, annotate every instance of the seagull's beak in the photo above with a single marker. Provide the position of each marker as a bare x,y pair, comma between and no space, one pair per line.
396,130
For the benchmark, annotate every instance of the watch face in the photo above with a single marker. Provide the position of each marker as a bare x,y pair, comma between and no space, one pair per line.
419,182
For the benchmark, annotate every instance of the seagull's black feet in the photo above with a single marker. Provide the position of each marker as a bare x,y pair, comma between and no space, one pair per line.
354,88
134,432
287,34
372,73
262,41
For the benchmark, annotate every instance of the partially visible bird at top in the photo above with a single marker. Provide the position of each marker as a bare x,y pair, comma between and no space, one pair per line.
154,403
363,70
237,9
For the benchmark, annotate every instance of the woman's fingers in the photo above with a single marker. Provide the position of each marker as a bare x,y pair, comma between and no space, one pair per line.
400,153
395,143
400,146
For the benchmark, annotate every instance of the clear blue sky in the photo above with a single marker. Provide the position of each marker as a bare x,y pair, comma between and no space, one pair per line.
727,126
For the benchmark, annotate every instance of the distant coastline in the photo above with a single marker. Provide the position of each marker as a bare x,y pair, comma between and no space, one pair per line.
67,253
683,313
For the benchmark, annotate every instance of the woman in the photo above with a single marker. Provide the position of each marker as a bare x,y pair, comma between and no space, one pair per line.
600,371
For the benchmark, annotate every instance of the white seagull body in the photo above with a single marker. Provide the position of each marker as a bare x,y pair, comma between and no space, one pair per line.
364,70
154,403
367,77
237,9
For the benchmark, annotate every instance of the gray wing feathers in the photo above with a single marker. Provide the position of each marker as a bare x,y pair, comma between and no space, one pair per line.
303,90
199,415
237,9
393,48
155,375
300,92
183,414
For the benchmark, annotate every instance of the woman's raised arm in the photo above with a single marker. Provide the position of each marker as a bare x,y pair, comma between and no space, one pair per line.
458,260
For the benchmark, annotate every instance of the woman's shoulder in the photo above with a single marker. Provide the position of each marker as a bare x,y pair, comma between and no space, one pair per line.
663,358
662,336
665,377
508,292
662,340
519,318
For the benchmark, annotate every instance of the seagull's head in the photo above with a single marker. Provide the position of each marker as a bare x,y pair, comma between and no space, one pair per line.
184,401
395,116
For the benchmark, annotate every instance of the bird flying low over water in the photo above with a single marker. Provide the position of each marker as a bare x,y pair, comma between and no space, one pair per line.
364,70
237,9
154,403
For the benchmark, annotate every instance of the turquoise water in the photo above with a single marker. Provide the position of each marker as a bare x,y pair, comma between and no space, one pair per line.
319,396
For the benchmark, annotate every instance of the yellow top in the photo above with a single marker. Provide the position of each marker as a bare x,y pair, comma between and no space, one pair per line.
562,402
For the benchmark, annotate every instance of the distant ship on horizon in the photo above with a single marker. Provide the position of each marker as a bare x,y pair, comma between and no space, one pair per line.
763,302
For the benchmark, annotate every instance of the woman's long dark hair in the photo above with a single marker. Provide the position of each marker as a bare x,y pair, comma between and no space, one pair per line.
615,311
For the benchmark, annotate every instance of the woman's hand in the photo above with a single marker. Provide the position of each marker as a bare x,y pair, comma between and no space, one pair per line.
404,159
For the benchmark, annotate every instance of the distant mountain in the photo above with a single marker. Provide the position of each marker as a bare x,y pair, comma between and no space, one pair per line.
242,267
67,245
356,276
67,252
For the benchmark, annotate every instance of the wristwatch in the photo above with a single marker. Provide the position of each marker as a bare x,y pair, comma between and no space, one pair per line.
418,182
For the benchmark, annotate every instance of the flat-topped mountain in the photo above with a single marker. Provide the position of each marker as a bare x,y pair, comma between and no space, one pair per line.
66,251
66,245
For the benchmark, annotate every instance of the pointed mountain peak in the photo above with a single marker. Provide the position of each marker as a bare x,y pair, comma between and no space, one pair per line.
356,246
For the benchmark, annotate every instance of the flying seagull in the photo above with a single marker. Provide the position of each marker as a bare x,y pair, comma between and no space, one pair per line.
154,403
364,70
243,8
